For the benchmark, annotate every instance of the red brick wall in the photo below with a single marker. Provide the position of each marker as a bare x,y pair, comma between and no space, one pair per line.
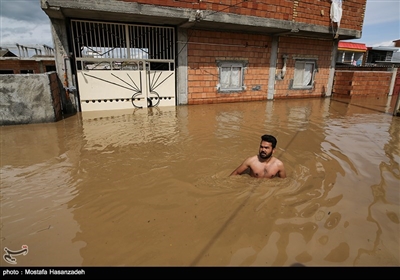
321,50
351,83
277,9
304,11
309,11
206,48
38,66
318,12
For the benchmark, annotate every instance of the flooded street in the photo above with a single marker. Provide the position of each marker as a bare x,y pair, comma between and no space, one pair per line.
151,187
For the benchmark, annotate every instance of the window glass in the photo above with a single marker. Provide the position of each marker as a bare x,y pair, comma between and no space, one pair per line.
6,72
303,74
340,56
26,72
230,76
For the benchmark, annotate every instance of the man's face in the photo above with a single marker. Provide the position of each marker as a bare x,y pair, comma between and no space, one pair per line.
266,150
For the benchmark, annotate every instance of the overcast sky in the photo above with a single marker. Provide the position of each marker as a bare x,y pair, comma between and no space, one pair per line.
24,22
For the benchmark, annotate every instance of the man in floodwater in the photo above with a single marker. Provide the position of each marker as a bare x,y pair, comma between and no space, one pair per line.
263,165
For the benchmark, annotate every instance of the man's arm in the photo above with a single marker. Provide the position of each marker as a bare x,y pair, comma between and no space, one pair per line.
241,168
282,171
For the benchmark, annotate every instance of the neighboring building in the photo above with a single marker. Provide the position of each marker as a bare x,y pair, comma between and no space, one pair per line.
10,63
376,75
116,54
382,56
4,52
351,53
358,54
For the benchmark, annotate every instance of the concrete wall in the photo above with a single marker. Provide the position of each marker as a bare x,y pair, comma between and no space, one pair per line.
30,98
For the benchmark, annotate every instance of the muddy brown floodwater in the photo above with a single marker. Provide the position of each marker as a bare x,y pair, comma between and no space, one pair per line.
151,187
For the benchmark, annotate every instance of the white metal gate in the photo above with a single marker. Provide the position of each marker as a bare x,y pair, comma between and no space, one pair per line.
121,66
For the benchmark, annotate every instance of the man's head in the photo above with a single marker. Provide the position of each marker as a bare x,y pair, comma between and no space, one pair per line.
267,146
270,139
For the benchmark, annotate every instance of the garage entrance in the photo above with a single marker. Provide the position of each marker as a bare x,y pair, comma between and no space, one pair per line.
121,66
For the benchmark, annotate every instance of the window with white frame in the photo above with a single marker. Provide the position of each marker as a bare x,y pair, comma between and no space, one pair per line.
303,74
340,56
231,75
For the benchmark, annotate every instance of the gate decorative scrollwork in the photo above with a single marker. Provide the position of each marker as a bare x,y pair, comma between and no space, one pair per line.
138,90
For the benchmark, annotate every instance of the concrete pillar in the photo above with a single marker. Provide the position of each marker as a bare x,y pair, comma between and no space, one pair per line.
393,81
182,67
63,63
42,68
396,111
272,68
331,77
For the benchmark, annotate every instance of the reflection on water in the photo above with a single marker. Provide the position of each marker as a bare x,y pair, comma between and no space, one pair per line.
150,186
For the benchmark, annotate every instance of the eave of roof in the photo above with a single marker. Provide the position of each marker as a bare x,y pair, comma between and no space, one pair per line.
385,48
349,46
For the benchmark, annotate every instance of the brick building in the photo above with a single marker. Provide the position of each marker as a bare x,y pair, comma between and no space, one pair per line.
123,53
350,53
10,63
34,65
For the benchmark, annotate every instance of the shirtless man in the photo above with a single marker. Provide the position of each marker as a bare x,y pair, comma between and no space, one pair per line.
263,165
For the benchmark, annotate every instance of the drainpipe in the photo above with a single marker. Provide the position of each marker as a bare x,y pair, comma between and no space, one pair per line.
66,77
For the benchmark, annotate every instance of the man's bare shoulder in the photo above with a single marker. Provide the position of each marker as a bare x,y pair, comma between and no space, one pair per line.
252,158
278,162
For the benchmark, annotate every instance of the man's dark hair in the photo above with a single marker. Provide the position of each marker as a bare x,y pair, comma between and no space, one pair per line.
270,139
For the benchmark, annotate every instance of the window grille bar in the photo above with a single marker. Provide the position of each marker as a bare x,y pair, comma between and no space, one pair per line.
115,40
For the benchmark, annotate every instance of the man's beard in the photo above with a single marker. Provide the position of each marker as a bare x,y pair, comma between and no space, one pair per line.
264,155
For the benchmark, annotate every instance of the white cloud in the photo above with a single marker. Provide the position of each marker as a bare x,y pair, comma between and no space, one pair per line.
24,10
19,32
24,22
384,44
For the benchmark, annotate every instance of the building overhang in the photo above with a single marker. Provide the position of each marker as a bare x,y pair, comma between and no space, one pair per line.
352,47
350,50
135,13
385,49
